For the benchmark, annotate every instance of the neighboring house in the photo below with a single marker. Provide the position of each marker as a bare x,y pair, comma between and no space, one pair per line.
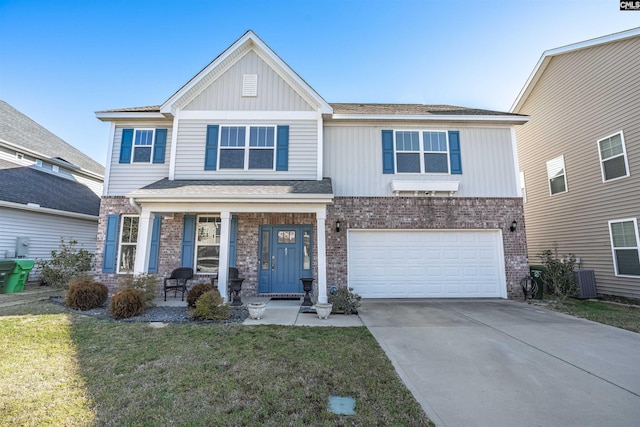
48,190
580,157
247,166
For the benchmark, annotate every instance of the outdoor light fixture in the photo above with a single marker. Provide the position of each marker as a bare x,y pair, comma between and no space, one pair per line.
337,226
514,224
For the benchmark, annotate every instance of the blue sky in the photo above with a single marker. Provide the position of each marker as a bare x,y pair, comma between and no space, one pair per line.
60,61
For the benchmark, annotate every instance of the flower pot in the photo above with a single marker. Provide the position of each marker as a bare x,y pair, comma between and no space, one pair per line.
256,310
323,310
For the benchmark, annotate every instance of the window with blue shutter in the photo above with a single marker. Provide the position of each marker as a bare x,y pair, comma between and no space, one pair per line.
282,148
421,152
188,240
387,152
211,148
110,244
126,145
154,250
455,157
233,240
160,146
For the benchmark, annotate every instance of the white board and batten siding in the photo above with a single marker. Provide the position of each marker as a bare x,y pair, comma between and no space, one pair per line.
353,159
44,232
426,263
126,177
303,151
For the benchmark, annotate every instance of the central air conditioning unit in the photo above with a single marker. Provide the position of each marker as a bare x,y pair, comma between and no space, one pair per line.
586,281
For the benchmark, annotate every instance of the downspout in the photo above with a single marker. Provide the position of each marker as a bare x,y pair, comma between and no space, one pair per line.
134,205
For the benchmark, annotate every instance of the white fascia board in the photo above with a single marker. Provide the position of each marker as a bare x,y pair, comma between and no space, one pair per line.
106,117
166,207
432,118
548,54
48,211
247,115
248,198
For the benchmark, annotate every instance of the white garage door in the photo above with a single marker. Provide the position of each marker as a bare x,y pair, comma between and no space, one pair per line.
426,264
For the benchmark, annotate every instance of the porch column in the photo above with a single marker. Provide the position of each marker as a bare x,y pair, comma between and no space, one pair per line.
223,264
321,216
144,242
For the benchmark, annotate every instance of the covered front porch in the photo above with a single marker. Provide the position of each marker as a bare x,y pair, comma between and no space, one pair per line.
273,232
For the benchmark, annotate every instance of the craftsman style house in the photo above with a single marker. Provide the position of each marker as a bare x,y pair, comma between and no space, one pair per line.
247,166
580,158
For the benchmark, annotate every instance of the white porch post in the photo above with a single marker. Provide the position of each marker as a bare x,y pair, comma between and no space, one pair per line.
144,242
223,265
321,216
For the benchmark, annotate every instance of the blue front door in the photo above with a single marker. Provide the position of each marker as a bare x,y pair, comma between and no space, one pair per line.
284,257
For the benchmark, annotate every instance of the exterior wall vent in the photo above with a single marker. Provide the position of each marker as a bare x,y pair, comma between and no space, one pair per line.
249,85
586,281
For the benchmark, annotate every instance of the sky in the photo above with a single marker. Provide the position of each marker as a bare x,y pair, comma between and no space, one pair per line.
61,61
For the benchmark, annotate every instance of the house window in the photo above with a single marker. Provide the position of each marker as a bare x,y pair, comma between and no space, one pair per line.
556,175
247,147
421,152
142,145
128,241
613,157
207,244
625,247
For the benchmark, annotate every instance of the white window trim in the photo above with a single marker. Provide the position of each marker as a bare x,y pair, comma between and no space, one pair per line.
196,244
247,148
421,152
152,146
624,153
566,181
613,249
122,217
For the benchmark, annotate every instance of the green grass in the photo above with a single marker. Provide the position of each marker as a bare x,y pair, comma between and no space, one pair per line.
59,368
620,316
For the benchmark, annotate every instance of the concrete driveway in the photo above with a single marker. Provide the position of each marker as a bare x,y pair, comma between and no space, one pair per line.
505,363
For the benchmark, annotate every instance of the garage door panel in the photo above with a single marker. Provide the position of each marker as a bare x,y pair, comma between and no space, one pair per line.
426,264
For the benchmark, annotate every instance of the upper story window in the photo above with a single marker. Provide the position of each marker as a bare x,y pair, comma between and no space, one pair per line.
557,176
613,157
142,145
127,243
625,247
247,147
421,152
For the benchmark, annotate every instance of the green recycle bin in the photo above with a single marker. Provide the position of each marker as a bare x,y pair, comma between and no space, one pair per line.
535,271
14,280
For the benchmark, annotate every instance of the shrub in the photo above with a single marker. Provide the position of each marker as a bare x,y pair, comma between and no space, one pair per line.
344,300
127,303
210,306
195,293
85,294
144,282
66,262
558,274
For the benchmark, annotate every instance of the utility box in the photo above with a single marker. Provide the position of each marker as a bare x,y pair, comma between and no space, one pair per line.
586,281
22,247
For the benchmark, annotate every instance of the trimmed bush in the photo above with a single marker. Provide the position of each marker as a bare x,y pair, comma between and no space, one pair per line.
127,303
344,300
210,306
197,291
85,294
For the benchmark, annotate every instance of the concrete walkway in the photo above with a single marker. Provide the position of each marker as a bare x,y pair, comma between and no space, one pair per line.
505,363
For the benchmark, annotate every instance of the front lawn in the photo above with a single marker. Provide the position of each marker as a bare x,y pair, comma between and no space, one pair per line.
620,316
59,368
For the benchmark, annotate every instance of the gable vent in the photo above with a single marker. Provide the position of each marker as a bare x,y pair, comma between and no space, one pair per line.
249,85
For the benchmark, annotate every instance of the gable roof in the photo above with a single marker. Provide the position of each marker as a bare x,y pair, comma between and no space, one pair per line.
548,55
24,185
19,131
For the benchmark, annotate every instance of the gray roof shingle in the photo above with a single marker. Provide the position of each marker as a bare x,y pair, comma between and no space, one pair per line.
18,129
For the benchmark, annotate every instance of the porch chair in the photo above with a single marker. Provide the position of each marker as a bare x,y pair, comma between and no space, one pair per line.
178,281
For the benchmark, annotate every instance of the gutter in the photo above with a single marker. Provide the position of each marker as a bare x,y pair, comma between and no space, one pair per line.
134,205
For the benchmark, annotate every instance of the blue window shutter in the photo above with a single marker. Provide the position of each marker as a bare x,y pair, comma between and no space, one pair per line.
387,152
160,146
126,145
233,240
154,252
188,241
110,244
282,149
211,150
454,152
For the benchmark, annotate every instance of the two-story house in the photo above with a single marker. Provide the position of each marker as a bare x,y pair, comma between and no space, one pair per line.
49,190
580,157
247,166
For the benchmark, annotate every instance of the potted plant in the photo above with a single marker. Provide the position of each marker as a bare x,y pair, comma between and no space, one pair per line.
323,310
256,310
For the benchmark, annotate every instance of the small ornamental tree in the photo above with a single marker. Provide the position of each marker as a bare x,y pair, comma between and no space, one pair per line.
68,261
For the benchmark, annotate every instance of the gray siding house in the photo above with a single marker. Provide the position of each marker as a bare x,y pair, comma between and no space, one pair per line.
248,166
48,190
579,157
